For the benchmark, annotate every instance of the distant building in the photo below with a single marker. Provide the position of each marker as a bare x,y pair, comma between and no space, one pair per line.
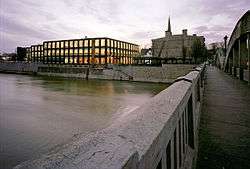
83,51
21,53
175,47
146,52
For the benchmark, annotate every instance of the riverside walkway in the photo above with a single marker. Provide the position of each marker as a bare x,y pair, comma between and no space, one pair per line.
224,136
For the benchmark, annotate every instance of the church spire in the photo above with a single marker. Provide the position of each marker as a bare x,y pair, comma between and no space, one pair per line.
169,25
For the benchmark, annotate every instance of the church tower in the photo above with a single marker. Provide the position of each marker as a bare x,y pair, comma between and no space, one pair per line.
168,32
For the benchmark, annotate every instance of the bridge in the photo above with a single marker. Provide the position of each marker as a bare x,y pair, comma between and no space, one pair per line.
237,60
201,120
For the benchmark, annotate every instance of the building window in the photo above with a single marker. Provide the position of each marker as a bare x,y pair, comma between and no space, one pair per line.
102,51
66,52
71,44
85,60
62,44
85,51
53,52
102,60
62,52
80,60
97,51
71,52
80,52
66,44
53,44
81,43
102,42
75,60
76,44
57,44
57,52
76,52
86,43
71,60
97,42
66,60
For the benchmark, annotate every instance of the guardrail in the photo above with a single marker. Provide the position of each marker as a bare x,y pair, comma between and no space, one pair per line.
161,134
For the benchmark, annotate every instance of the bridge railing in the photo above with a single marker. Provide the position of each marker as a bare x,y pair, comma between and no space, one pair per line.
161,134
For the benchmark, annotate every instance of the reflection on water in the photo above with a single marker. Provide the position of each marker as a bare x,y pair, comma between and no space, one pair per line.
39,113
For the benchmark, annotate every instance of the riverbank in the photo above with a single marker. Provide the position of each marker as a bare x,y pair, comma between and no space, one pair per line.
166,73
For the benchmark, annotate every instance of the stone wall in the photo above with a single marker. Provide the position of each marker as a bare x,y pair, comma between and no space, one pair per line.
166,73
160,134
18,67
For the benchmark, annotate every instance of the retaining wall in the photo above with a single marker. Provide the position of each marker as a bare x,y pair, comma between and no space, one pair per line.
166,73
162,133
19,67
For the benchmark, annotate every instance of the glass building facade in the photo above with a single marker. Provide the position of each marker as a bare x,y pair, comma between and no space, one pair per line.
36,52
85,51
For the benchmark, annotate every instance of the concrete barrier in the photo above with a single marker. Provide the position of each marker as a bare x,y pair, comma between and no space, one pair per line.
162,133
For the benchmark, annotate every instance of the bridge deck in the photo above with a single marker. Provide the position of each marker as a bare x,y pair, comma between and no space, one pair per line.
224,138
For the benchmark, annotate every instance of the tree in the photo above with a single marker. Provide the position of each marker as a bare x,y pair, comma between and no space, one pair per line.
198,51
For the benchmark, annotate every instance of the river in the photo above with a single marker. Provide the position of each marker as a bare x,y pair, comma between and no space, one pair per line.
38,114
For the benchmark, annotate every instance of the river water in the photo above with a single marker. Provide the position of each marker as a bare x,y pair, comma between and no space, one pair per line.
38,114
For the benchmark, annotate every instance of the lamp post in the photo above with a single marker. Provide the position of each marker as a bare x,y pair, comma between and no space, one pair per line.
225,52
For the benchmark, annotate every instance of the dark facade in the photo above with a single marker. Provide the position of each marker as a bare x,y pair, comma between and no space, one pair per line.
21,53
84,51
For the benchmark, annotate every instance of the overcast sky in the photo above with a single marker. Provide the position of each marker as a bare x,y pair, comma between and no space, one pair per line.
26,22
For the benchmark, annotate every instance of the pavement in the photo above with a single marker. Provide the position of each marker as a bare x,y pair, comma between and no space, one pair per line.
224,134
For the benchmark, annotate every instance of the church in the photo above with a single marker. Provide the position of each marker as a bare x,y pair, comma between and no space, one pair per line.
175,48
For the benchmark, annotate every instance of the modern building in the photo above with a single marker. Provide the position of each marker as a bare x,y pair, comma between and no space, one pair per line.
36,53
84,51
175,47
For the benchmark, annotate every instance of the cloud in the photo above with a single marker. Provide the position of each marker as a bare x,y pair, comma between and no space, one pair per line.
25,22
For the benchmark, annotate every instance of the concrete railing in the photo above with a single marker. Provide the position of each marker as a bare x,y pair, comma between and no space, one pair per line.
162,133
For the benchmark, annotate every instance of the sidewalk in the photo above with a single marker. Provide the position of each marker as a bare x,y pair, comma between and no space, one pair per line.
224,138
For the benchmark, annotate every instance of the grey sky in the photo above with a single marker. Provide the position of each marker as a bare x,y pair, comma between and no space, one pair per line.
26,22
